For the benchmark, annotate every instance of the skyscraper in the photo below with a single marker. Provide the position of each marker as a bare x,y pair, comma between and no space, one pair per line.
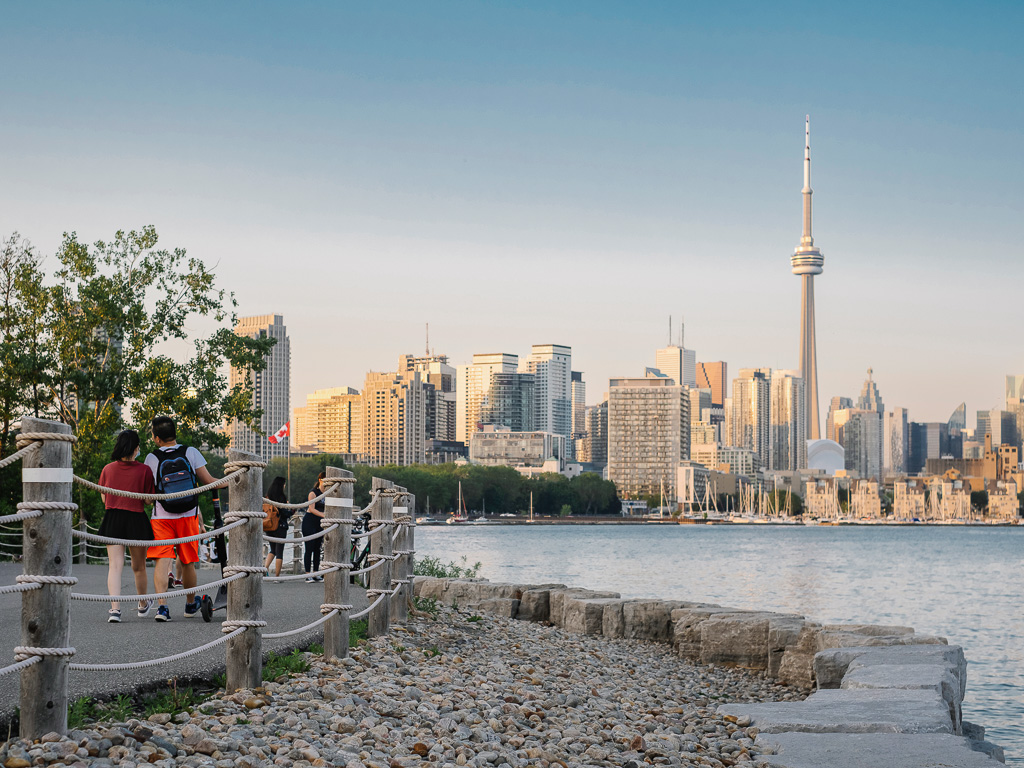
551,367
435,371
749,416
270,388
395,418
838,403
473,383
870,399
331,420
807,262
579,409
787,442
896,442
714,376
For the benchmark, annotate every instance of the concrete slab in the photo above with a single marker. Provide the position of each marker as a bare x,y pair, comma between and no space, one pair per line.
847,711
832,664
936,676
872,750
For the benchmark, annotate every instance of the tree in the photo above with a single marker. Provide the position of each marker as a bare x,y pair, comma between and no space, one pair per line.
593,496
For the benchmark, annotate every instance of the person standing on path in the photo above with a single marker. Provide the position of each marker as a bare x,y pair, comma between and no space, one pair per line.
176,466
310,525
125,518
277,493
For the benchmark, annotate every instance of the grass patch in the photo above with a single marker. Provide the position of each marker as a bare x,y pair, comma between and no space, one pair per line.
432,651
317,649
173,701
357,631
475,618
294,663
85,710
432,566
427,605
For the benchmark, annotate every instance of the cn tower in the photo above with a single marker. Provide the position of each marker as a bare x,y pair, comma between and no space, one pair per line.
807,262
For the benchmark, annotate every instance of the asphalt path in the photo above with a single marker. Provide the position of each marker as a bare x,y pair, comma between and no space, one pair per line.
286,605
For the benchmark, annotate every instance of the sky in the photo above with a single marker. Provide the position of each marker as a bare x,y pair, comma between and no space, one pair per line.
530,173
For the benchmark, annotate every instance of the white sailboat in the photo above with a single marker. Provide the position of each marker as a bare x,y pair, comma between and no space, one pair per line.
461,514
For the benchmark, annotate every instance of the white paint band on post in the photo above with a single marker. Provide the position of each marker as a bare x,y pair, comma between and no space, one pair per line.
401,511
47,475
333,501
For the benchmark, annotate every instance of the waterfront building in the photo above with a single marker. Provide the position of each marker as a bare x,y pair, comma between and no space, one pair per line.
860,433
331,421
271,389
692,481
511,404
807,261
497,445
1003,503
750,413
910,500
837,404
896,442
648,435
551,367
595,443
445,452
579,410
728,459
714,376
435,371
395,418
787,433
703,433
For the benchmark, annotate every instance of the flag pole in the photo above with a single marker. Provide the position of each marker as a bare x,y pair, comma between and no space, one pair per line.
288,470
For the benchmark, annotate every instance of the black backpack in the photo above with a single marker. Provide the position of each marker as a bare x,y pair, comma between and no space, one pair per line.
174,473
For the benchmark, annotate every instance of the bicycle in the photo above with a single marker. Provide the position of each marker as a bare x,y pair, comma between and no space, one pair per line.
360,550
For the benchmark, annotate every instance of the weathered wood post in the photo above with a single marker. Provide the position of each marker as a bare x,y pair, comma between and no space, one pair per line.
408,538
83,549
245,596
337,549
46,612
399,610
379,619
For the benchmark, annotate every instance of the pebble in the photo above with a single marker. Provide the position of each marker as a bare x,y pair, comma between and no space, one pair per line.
501,693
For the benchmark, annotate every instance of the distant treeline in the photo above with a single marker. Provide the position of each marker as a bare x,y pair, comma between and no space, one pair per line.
494,490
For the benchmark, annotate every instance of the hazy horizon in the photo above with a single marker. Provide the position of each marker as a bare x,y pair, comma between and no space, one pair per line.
540,173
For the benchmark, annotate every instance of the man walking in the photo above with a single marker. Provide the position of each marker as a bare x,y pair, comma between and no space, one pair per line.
176,468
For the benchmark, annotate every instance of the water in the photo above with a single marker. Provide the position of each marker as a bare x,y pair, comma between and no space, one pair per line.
962,583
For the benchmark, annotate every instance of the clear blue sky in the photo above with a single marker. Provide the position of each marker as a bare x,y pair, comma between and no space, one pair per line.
519,173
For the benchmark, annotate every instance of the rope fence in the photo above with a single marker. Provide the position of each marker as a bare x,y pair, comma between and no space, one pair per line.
46,514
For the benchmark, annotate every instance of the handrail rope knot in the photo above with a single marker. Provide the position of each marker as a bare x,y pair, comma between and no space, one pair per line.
231,466
26,652
405,551
380,592
337,521
231,570
332,564
395,582
38,578
329,481
234,515
231,625
328,607
374,558
24,439
48,506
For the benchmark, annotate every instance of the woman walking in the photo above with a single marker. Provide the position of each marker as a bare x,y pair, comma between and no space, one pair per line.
126,518
310,525
277,493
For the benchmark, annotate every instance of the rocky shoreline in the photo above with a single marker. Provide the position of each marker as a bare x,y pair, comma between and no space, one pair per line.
459,689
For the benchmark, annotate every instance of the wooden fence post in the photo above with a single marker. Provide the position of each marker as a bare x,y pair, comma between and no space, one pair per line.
399,610
46,612
83,549
245,596
337,549
379,619
407,545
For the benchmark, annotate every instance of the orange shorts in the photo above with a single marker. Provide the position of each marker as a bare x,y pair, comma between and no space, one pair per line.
175,528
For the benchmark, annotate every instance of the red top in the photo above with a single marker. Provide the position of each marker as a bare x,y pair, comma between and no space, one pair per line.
126,476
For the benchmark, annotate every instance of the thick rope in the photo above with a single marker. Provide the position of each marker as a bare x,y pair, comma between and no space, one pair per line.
234,625
374,558
36,578
30,448
367,610
381,591
161,496
153,662
11,588
243,570
376,526
18,666
26,438
154,542
369,568
20,516
23,652
297,539
330,610
330,482
238,514
405,552
156,595
300,576
335,566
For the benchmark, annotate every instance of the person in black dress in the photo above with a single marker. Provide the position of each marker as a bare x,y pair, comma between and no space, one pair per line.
277,493
310,525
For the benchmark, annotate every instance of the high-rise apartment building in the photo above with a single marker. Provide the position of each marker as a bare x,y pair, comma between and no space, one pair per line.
510,402
896,442
714,376
750,414
700,405
1002,425
270,388
860,433
473,384
551,367
595,444
395,418
579,409
870,399
787,434
331,421
435,371
1015,405
648,435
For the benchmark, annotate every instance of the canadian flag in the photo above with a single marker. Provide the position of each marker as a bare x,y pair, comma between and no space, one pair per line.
281,434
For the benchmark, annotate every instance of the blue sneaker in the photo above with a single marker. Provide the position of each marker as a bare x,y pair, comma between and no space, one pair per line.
162,614
192,609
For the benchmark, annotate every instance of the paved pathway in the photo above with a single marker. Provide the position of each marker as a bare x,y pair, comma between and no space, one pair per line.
286,605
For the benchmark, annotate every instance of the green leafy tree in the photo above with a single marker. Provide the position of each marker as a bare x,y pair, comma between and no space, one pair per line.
593,495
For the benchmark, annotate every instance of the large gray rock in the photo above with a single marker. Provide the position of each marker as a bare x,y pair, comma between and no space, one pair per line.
650,619
831,665
686,624
797,664
506,607
735,640
869,629
839,637
557,598
935,676
535,602
871,750
845,711
783,632
430,587
585,615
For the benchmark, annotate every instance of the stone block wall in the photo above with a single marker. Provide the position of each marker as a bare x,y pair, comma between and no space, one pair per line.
882,691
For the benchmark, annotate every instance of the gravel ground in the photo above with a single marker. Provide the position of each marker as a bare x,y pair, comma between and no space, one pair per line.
456,691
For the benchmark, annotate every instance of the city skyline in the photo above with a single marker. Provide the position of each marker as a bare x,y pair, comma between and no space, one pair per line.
614,166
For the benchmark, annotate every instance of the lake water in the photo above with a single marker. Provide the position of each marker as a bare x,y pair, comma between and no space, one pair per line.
962,583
